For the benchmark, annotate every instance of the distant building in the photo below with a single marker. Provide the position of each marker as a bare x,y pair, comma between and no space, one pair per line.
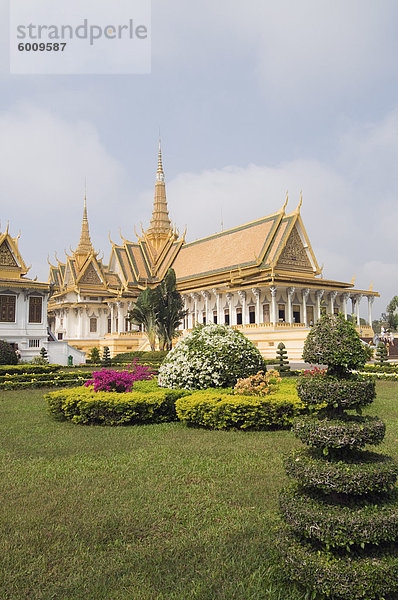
23,308
261,277
23,302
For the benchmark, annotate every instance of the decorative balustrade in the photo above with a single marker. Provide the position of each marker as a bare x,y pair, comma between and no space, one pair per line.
271,326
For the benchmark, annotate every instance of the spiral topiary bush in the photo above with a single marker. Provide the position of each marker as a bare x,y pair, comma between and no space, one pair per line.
210,356
340,535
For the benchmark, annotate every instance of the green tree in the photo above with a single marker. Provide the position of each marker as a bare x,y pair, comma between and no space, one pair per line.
160,312
106,357
144,314
94,355
7,354
169,309
390,317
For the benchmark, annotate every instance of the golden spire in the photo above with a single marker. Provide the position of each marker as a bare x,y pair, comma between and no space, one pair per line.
160,225
160,173
85,246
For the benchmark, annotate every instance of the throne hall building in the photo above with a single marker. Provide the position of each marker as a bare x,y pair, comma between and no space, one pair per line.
261,277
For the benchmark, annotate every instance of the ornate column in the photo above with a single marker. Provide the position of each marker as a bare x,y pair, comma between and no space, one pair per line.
319,295
256,293
190,319
120,317
353,305
332,298
218,303
273,303
112,317
229,300
184,324
305,293
242,296
80,327
206,296
371,299
195,297
290,294
129,307
346,297
357,303
64,324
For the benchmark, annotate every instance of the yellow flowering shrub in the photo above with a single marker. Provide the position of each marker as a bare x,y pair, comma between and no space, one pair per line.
261,384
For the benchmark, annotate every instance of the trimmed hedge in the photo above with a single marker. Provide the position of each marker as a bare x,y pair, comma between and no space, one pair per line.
19,369
362,473
83,406
43,380
349,577
316,517
393,376
337,393
389,368
47,383
148,358
217,409
43,376
348,431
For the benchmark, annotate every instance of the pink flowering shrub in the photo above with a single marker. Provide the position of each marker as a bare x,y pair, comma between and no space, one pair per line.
314,372
109,380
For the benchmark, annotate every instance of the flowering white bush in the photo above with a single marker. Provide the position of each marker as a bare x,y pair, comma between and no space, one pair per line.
210,356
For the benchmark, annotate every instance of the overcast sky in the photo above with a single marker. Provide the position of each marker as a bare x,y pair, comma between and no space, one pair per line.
252,99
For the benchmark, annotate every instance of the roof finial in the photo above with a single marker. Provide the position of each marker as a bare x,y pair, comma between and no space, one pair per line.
301,200
286,201
85,246
160,225
160,172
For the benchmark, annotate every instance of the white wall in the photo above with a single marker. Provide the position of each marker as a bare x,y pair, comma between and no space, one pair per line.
58,353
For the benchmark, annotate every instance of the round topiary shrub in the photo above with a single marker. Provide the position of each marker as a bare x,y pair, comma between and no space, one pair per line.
347,431
334,342
347,393
210,356
319,518
359,474
354,576
7,354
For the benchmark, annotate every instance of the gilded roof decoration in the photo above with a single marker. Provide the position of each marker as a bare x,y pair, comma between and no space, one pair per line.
90,276
6,257
293,255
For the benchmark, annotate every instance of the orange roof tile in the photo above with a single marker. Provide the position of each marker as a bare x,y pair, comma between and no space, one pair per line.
227,250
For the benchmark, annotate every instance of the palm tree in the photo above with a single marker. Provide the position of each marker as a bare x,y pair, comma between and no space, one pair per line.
169,310
144,313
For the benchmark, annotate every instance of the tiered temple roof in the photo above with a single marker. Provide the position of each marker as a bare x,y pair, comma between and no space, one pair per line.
272,249
13,269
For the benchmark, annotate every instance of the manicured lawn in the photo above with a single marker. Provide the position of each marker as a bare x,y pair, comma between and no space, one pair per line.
159,512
